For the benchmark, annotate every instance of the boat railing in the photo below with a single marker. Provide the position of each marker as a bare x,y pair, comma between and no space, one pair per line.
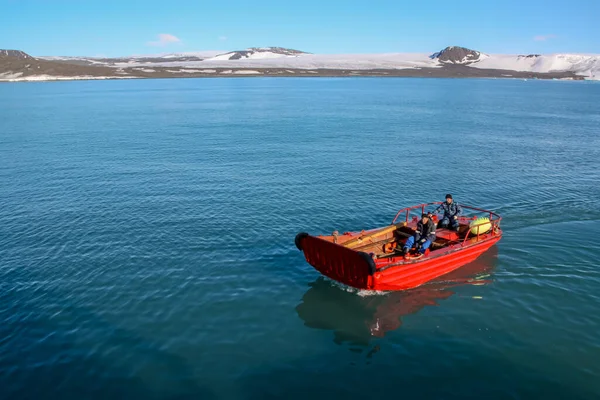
494,218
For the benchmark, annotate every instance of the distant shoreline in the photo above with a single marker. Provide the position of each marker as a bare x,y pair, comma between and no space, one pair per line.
454,71
451,62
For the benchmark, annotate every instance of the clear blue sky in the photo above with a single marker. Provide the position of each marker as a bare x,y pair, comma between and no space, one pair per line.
115,28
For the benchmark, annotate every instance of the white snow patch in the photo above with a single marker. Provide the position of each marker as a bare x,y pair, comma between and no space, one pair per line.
38,78
204,71
227,72
266,54
193,71
246,72
145,69
10,75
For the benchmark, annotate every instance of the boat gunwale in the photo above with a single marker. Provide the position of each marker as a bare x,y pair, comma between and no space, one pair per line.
453,249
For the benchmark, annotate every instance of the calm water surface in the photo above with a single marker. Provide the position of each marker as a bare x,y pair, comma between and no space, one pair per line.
147,238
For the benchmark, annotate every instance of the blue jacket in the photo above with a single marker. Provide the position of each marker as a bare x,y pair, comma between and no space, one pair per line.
450,210
425,231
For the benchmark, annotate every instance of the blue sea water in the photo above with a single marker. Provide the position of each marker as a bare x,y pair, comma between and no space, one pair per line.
147,238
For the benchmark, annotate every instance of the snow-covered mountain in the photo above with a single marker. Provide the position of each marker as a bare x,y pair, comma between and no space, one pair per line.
587,66
584,65
257,53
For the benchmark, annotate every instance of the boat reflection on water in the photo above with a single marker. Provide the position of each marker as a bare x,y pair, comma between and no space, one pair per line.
357,318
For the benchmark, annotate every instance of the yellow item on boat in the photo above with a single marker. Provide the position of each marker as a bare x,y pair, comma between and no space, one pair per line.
483,223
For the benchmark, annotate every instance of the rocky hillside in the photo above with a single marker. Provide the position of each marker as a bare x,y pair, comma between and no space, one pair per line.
14,54
17,64
458,55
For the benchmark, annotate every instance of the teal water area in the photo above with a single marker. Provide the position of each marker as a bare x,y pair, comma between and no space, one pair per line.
147,238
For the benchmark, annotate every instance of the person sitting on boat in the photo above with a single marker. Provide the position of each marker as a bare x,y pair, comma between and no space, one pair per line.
423,237
451,212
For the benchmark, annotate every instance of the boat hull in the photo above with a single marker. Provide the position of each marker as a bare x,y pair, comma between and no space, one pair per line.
359,270
408,276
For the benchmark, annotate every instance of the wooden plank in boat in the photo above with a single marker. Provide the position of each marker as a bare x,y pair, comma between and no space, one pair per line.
359,241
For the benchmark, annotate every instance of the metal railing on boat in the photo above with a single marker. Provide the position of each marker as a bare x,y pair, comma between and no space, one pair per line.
494,219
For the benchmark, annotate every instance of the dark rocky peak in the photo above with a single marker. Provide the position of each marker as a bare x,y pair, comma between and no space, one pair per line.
15,53
252,51
457,55
278,50
238,54
529,56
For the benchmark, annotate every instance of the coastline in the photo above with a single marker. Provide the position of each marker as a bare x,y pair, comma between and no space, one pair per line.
455,71
451,62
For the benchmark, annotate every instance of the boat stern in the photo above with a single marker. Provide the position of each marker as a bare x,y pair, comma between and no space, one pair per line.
347,266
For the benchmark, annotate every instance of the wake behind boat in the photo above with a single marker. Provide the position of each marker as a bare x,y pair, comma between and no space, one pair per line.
372,260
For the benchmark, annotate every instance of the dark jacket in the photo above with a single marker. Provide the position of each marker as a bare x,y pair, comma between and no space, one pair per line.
450,210
425,231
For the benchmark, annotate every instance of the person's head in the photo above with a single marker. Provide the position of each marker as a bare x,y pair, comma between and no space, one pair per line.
448,198
425,218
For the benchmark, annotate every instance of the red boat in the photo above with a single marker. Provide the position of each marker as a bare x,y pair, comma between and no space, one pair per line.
371,259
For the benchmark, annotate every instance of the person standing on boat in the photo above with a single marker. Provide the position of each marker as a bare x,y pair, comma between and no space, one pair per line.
451,212
423,237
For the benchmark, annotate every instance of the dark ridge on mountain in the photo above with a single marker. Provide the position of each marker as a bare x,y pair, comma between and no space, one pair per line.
15,53
457,55
239,54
